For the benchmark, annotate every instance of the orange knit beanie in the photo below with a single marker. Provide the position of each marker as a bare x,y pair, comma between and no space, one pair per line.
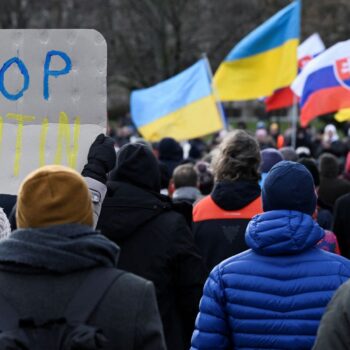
53,195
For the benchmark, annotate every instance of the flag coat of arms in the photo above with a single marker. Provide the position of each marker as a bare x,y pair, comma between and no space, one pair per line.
324,85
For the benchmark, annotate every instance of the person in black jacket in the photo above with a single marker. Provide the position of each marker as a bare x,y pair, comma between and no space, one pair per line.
334,330
341,224
221,218
331,186
56,254
170,154
155,241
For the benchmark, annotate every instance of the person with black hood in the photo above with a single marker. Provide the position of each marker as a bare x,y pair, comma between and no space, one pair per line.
331,186
60,288
155,241
170,154
221,218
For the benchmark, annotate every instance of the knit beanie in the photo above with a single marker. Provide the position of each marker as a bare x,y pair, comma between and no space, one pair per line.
329,166
269,157
311,165
53,195
5,228
170,149
136,164
289,186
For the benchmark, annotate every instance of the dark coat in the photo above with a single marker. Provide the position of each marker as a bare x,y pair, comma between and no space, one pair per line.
334,330
220,220
41,270
7,202
157,244
341,224
331,189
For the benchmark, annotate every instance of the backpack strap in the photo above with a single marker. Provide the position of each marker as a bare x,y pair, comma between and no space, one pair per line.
90,293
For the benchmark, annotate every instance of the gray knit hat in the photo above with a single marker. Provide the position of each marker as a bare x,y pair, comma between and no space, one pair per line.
5,227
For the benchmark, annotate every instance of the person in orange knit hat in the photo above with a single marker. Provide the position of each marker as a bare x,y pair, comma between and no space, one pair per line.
58,278
53,195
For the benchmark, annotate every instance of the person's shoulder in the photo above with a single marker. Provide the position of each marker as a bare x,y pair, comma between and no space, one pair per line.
248,256
344,290
202,201
129,280
203,207
325,257
344,199
126,292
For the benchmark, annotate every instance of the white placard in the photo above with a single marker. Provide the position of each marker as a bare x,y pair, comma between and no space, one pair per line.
52,99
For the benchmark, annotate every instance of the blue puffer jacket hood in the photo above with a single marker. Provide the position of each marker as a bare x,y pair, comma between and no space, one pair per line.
281,232
273,295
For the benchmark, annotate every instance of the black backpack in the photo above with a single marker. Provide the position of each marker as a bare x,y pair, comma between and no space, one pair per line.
71,331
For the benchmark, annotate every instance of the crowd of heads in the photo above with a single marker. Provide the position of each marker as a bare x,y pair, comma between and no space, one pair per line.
178,210
250,154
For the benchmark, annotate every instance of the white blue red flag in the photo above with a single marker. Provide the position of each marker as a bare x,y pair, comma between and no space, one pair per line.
324,85
307,50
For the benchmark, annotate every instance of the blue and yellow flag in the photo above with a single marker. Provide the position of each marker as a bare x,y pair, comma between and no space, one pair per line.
182,107
263,61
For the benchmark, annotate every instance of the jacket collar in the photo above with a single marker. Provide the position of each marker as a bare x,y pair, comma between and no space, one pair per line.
57,249
190,193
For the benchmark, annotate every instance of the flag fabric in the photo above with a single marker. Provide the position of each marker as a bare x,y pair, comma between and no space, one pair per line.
263,61
343,115
282,98
307,50
182,107
324,85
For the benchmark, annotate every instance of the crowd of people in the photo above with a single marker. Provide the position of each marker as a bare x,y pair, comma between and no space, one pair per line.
241,243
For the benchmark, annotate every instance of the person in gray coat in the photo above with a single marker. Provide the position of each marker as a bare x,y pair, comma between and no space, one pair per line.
55,257
334,330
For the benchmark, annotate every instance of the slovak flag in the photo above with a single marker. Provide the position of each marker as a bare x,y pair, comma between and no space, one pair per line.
307,50
324,85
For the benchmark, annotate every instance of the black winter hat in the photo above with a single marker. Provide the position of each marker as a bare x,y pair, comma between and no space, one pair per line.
289,186
137,165
329,166
170,149
311,165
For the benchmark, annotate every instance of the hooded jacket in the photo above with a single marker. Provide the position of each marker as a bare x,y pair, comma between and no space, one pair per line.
155,242
331,187
220,219
41,270
273,295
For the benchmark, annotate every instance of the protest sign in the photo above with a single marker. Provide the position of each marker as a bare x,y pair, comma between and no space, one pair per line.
52,99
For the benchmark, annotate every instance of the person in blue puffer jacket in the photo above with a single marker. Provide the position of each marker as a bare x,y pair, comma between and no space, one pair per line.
273,295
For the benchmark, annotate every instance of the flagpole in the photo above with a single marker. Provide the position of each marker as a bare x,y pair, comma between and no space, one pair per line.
294,120
215,93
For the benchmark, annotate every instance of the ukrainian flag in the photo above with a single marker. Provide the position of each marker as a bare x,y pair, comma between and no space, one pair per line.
264,61
182,107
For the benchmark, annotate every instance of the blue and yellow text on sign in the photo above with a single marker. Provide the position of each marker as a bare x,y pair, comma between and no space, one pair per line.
182,107
263,61
52,99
